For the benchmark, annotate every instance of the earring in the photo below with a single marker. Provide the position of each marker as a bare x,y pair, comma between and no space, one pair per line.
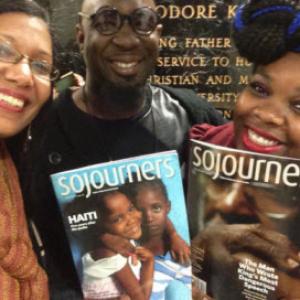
28,139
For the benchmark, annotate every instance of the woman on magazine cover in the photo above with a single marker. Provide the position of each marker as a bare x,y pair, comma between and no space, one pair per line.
107,274
266,120
26,71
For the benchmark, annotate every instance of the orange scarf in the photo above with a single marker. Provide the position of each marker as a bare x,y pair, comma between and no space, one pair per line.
21,278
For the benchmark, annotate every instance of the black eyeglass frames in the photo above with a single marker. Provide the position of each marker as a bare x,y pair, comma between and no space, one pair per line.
108,20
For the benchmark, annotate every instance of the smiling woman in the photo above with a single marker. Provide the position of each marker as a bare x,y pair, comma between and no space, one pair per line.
25,85
266,120
267,113
24,77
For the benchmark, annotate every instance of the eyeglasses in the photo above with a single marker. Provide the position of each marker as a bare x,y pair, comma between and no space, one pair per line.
108,21
39,68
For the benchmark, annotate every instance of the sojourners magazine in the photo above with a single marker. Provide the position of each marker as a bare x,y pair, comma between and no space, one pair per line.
244,218
131,201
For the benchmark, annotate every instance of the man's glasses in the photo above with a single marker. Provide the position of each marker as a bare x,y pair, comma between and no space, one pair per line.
107,20
39,68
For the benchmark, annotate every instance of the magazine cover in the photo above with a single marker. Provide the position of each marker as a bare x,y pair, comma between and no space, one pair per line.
137,201
244,217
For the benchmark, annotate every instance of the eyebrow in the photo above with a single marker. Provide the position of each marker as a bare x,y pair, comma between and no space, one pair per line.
261,71
13,41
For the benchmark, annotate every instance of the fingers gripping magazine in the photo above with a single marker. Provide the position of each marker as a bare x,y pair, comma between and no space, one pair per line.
244,218
127,226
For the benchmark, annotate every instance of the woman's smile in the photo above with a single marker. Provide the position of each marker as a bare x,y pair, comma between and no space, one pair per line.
261,141
12,101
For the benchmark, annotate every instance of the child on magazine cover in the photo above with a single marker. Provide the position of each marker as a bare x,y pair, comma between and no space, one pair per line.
266,120
172,280
105,273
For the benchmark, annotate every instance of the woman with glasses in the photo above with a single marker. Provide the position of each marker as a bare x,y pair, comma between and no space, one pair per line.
26,71
266,120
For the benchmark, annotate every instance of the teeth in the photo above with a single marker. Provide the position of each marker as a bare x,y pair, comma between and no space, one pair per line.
125,65
12,101
276,216
254,137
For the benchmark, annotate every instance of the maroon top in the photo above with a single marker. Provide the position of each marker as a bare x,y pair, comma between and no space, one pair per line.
219,135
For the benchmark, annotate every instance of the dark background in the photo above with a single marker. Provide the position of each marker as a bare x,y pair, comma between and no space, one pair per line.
218,79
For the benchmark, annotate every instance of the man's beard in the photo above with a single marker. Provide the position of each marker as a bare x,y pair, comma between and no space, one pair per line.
124,97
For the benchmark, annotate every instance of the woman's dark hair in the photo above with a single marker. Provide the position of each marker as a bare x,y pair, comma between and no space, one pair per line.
265,30
32,8
24,6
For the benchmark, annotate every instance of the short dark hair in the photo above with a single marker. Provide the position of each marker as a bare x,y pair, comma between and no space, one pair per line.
98,200
24,6
132,189
88,238
265,30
